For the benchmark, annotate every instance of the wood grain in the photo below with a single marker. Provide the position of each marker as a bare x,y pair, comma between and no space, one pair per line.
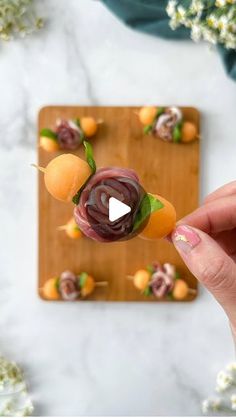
171,170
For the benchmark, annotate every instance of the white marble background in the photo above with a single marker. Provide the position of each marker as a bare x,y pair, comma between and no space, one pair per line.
106,359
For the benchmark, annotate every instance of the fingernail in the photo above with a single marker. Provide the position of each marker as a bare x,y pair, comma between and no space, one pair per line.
185,238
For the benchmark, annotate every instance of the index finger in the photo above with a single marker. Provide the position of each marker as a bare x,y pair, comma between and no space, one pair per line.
213,217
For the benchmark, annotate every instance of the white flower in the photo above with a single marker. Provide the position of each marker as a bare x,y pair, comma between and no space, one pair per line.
231,367
181,12
212,21
233,401
197,6
224,381
223,23
196,32
220,3
171,8
211,405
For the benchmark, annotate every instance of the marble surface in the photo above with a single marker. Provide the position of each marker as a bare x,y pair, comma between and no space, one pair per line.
105,359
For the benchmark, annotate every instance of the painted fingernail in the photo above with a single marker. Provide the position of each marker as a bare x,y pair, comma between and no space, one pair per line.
185,238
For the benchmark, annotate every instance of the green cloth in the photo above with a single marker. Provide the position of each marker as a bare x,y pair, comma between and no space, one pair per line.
150,16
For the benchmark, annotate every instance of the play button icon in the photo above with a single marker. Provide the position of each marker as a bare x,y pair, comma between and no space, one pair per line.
117,209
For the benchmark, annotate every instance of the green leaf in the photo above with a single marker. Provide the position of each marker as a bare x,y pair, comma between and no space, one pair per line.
147,291
89,156
160,110
48,133
177,133
147,129
77,122
57,284
148,205
177,275
150,268
82,279
76,197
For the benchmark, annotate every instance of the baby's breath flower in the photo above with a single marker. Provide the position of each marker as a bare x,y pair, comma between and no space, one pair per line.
220,3
211,405
224,381
233,401
171,8
17,17
214,23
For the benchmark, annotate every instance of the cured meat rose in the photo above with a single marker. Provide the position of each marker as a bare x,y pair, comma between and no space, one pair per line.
162,280
69,135
92,212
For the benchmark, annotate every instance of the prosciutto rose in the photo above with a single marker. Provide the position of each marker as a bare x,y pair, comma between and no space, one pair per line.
92,212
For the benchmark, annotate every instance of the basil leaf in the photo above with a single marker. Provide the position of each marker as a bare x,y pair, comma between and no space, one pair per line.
82,279
150,268
160,110
89,156
147,129
77,122
148,205
57,284
177,133
48,133
76,197
177,275
147,291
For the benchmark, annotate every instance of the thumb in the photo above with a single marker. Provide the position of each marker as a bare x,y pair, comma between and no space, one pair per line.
209,264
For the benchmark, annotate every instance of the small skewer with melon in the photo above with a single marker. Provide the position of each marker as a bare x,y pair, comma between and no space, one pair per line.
68,134
70,286
161,281
71,229
167,123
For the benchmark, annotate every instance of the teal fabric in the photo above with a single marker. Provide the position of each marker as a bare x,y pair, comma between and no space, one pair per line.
150,16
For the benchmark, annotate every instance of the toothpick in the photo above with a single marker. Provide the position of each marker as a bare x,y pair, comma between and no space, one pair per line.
42,169
62,227
100,121
129,277
101,284
192,291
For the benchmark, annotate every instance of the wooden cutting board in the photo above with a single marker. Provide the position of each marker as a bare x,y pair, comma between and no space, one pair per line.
171,170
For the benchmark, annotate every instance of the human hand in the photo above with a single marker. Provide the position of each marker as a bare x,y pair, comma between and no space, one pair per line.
206,240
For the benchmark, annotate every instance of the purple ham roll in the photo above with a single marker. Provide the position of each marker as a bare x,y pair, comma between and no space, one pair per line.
92,212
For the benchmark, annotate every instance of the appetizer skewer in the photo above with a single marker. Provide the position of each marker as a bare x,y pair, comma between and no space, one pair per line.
71,229
70,286
68,134
68,177
161,281
167,124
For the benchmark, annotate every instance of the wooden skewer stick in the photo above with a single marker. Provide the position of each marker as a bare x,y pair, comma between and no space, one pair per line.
62,227
39,168
100,121
129,277
192,291
101,284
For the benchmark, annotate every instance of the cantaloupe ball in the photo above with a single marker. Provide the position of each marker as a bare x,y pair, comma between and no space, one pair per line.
72,229
180,290
50,290
48,144
141,279
65,175
88,287
161,222
188,132
89,126
147,114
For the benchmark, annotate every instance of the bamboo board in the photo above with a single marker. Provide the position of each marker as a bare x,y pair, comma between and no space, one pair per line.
171,170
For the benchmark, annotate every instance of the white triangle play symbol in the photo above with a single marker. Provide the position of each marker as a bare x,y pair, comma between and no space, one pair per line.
117,209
